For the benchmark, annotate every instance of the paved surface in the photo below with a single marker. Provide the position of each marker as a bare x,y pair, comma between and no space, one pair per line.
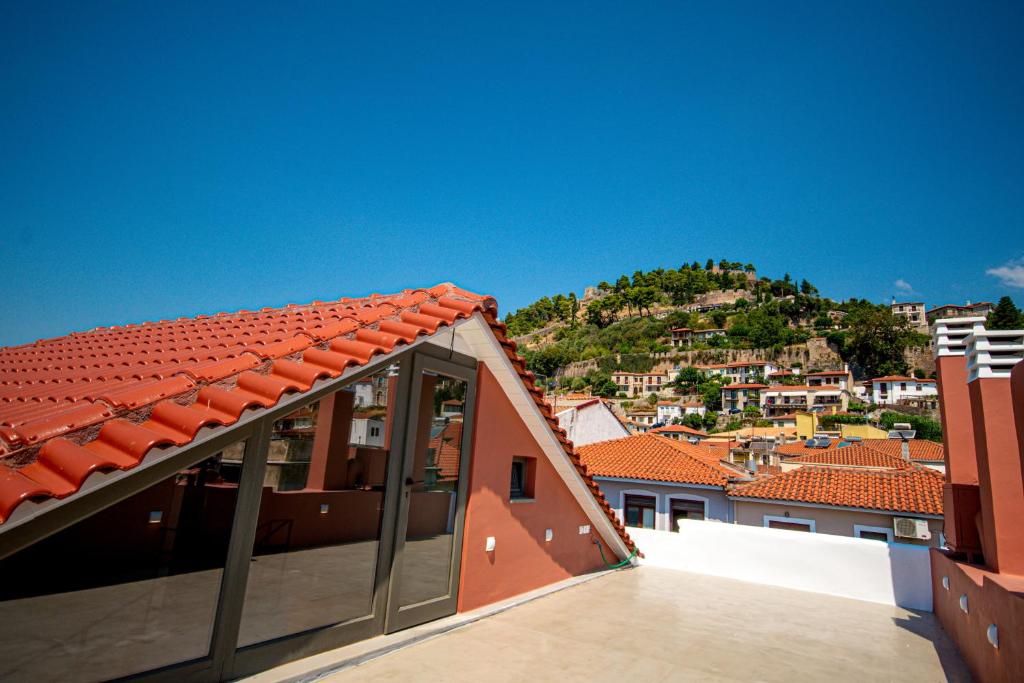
652,624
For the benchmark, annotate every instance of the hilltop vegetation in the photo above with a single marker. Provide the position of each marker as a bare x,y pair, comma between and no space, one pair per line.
634,317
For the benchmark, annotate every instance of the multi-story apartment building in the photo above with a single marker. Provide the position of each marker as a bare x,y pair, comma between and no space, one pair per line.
634,384
840,379
736,397
969,310
913,311
896,388
784,399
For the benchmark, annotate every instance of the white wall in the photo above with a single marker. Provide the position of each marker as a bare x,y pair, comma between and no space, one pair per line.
888,573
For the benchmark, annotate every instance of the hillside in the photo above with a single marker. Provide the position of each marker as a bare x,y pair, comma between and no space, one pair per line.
626,323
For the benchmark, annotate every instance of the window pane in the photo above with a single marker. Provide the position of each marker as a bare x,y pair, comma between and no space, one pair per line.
437,457
131,588
648,518
315,551
875,536
792,526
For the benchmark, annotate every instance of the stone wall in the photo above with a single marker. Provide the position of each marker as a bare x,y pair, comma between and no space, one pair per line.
815,353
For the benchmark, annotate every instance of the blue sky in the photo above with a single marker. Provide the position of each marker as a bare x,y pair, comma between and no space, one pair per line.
163,160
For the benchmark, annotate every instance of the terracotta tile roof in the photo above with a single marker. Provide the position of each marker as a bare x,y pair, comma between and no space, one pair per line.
100,400
679,429
900,378
916,490
920,449
796,387
828,373
799,448
745,386
851,456
653,457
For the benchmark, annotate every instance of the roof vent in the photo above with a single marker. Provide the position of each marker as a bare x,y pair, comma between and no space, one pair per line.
993,353
950,334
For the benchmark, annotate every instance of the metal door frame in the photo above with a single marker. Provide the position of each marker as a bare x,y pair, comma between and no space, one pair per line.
397,617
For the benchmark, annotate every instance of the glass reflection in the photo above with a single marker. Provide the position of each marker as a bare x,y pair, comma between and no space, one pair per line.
427,555
315,551
132,588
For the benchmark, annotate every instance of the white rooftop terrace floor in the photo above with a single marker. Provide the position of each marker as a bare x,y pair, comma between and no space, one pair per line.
654,624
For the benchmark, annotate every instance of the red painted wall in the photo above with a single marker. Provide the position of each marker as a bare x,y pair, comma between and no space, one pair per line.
991,599
522,560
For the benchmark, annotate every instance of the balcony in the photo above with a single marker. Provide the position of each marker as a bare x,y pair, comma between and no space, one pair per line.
656,622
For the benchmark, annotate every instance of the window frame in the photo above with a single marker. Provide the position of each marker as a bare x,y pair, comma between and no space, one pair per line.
858,528
789,520
638,494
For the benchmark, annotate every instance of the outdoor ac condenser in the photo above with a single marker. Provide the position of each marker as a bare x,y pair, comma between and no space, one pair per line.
904,527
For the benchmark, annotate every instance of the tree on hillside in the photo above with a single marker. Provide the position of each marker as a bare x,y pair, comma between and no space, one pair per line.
1005,316
876,339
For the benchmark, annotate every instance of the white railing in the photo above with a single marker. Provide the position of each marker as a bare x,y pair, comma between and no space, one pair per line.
862,569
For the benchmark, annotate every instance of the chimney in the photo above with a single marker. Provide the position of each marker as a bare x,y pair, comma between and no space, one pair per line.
991,357
961,495
905,449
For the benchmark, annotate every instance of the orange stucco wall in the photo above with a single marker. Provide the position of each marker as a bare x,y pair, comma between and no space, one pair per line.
521,560
991,599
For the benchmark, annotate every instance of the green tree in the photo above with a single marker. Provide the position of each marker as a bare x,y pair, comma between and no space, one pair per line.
876,339
1005,316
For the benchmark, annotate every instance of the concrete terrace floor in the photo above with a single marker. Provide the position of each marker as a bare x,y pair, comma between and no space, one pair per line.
653,624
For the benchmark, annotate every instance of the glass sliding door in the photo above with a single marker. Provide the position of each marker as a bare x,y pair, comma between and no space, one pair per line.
428,545
316,548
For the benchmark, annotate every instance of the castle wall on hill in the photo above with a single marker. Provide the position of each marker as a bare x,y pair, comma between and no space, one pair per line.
815,353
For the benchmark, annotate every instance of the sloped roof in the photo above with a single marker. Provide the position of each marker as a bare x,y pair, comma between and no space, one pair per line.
653,457
851,456
920,449
915,490
745,386
100,400
799,448
680,429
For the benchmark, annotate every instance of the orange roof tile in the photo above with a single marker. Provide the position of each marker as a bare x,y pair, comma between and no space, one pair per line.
649,456
915,490
680,429
745,386
851,456
920,449
100,400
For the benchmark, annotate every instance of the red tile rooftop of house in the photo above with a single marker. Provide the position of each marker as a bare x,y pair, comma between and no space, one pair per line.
852,456
648,456
915,489
900,378
678,429
100,400
745,386
920,449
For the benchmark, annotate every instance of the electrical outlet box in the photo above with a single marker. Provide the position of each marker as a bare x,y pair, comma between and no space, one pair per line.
584,529
548,535
489,547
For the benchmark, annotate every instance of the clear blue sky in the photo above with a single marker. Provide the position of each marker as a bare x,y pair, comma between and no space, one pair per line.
160,160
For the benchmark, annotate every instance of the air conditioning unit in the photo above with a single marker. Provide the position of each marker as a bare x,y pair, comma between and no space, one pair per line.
904,527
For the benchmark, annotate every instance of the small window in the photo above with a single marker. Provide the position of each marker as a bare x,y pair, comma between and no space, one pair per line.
791,526
640,511
521,483
686,509
874,533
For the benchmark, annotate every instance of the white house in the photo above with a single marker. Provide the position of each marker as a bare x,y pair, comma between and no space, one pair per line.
590,422
840,379
895,388
367,431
